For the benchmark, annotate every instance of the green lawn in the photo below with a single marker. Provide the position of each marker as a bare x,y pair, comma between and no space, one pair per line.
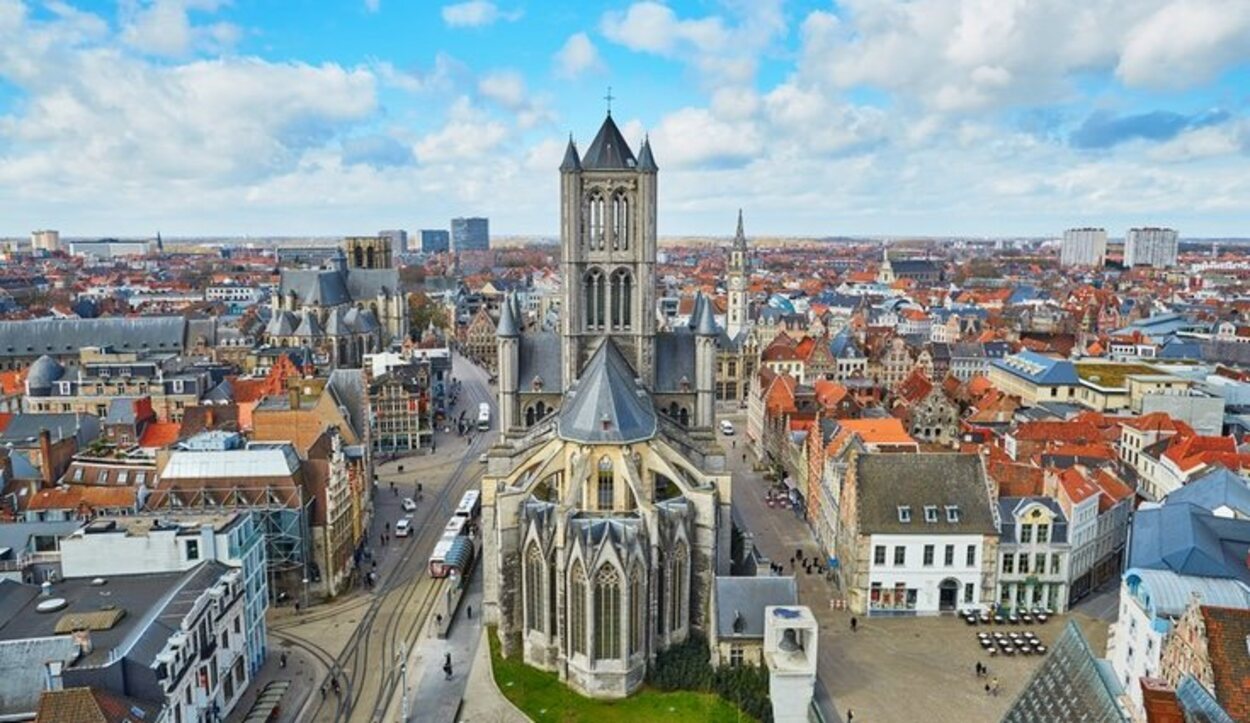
543,697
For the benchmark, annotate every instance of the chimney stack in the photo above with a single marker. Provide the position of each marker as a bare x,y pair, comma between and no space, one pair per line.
82,638
45,454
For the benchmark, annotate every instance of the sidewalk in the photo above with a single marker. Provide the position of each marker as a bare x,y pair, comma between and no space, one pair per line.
302,670
483,701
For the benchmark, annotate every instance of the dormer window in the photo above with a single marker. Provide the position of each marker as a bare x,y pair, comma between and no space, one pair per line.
904,513
930,513
952,513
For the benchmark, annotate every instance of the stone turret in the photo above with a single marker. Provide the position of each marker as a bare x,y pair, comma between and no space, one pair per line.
705,332
508,334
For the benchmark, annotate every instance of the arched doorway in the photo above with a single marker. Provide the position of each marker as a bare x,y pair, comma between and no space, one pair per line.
948,595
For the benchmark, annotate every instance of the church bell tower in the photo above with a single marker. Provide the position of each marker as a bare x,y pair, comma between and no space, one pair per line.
608,246
737,268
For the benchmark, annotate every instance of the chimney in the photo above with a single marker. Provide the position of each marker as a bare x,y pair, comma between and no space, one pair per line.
45,454
293,395
82,638
1159,700
208,417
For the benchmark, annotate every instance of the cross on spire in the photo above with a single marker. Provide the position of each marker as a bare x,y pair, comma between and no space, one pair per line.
609,98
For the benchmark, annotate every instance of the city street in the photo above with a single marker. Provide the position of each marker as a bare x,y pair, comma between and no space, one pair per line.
362,636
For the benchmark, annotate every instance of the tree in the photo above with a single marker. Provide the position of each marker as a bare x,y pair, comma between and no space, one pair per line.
422,311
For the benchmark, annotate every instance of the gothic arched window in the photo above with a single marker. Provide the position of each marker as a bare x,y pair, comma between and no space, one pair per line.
607,613
677,606
683,416
622,299
577,609
529,417
661,591
595,298
369,257
636,602
596,211
358,255
606,489
534,589
620,221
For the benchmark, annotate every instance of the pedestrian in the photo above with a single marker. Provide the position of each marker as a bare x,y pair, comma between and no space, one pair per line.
282,660
978,671
297,607
850,715
439,620
334,684
994,686
323,691
470,612
987,688
733,444
854,624
447,670
744,457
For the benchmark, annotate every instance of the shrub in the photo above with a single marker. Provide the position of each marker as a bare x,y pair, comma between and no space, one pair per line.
688,666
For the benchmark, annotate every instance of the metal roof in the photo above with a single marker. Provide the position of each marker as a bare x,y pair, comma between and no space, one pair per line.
1169,593
607,404
1189,540
277,461
1068,687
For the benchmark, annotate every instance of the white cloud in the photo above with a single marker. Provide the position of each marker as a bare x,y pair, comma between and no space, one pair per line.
721,50
373,5
164,27
1186,43
476,13
507,89
577,56
693,137
468,134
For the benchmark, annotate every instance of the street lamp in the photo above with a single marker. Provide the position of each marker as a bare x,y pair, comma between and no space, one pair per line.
305,603
403,683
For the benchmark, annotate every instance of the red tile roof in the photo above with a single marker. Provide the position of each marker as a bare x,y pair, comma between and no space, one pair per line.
1227,630
1077,487
88,497
160,434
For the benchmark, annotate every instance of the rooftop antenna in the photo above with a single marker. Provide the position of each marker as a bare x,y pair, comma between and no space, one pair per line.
609,98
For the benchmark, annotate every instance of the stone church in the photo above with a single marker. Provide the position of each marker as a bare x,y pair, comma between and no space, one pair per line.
606,503
351,308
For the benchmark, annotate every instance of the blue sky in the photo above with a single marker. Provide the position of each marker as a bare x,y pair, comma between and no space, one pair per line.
970,117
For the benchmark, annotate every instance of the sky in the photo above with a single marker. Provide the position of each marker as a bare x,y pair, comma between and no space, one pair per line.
861,117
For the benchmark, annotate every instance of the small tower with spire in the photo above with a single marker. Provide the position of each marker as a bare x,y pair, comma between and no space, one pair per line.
885,275
739,311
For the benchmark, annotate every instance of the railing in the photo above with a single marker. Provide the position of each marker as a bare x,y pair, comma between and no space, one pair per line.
26,559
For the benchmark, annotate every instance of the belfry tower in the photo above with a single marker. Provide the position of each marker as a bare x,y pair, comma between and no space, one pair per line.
608,238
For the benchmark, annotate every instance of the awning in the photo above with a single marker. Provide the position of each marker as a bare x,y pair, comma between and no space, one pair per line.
460,556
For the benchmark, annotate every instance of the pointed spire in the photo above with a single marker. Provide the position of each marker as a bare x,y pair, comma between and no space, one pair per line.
571,161
507,327
705,321
646,161
608,151
740,236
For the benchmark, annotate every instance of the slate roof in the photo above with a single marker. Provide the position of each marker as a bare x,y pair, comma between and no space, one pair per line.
744,599
606,404
349,390
314,286
674,359
1189,540
540,357
25,427
571,162
1038,369
1009,506
886,481
1070,686
1216,489
22,670
608,151
67,336
44,372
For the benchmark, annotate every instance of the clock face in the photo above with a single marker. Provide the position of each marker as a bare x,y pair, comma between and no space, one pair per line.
735,283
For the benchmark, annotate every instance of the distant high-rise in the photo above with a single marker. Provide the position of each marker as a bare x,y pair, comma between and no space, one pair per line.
470,234
45,240
435,241
399,240
1083,247
1154,247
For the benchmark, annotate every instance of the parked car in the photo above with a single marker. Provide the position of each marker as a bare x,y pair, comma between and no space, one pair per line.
403,528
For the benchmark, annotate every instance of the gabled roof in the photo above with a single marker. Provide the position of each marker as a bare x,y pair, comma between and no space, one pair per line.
743,599
1216,489
1189,540
887,481
1227,630
608,151
606,404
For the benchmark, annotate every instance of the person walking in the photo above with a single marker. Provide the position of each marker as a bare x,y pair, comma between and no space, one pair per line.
282,660
994,686
854,624
850,715
470,610
323,691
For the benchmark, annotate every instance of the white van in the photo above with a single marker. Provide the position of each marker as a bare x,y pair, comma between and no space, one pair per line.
726,427
403,528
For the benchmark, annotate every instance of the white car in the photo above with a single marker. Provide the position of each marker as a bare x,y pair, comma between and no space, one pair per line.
403,528
726,427
483,458
409,505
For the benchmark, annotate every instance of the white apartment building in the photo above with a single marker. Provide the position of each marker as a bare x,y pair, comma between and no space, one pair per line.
1083,247
1156,247
1032,554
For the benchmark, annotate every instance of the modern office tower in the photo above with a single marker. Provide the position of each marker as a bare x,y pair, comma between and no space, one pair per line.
399,240
470,234
45,240
1154,247
435,241
1083,247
